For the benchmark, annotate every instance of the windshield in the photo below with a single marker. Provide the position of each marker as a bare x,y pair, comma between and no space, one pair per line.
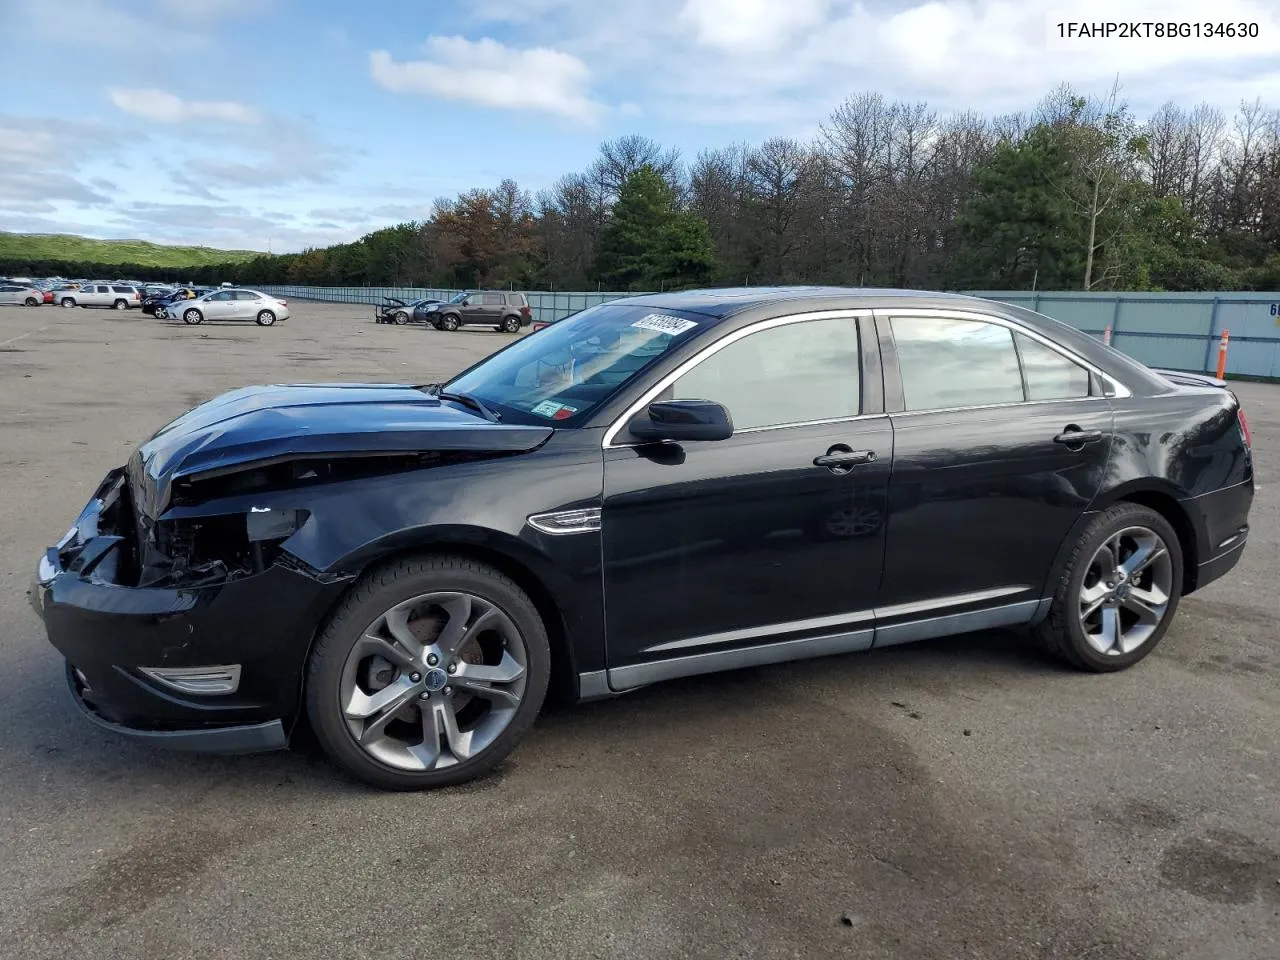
565,371
459,297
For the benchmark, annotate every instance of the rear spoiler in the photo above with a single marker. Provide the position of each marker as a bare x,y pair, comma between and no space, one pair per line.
1184,379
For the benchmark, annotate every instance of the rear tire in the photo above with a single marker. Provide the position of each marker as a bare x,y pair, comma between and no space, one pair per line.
265,318
192,316
510,325
1125,624
383,760
121,304
68,302
31,302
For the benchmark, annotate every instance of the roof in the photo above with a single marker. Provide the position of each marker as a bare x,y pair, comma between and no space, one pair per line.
726,301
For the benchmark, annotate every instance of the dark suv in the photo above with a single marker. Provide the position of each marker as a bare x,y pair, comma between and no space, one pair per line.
500,309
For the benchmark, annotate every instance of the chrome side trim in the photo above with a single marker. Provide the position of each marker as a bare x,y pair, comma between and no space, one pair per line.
562,522
593,685
1121,391
1006,616
839,619
995,406
955,600
639,674
213,681
647,397
748,633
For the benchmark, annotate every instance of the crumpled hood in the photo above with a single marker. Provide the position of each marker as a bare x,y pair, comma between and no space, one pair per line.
260,424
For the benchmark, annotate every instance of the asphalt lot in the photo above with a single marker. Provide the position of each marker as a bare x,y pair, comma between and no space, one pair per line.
953,799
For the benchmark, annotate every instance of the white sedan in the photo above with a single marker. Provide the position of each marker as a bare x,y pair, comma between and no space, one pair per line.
233,304
21,293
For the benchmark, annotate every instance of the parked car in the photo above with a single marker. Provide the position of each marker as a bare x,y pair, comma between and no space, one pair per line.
232,304
157,305
657,487
21,293
395,310
117,295
502,310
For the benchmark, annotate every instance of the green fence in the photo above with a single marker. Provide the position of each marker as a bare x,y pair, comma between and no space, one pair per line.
1173,330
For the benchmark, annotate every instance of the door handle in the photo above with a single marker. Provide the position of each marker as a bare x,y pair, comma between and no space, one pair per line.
841,458
1073,436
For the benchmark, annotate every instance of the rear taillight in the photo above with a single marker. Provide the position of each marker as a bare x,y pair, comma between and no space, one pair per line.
1244,427
525,311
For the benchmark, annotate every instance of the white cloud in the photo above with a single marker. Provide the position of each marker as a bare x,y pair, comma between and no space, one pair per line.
164,107
783,64
490,74
39,159
1001,47
750,26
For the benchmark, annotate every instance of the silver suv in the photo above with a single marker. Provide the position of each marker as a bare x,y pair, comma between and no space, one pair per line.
118,295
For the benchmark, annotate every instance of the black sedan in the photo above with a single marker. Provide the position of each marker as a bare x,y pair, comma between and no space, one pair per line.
157,305
653,488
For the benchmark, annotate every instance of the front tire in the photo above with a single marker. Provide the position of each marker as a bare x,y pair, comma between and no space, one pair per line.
192,316
428,674
401,318
450,322
1118,593
265,318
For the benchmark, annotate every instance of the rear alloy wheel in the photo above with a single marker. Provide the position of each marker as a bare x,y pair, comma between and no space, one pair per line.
31,302
68,302
450,322
1119,591
121,304
429,673
192,316
265,318
401,318
511,324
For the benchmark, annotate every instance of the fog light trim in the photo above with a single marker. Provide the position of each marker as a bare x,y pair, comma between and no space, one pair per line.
212,681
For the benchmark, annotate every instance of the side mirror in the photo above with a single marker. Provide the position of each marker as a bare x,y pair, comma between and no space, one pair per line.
679,420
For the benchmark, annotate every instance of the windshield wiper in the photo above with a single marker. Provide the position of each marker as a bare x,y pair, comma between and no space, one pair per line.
469,401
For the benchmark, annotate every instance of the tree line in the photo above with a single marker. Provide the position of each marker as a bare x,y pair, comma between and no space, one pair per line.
1077,193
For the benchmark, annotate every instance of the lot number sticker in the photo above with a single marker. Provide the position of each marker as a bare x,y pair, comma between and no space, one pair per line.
664,323
555,410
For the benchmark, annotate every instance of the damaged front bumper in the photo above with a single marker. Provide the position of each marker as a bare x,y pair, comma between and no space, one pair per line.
155,663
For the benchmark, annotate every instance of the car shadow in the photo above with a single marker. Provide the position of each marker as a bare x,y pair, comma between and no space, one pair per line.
63,747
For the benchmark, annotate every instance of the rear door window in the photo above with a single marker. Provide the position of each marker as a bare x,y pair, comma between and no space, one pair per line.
122,289
491,299
947,363
1050,375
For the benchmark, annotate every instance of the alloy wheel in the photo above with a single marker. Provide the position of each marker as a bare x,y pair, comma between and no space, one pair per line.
1126,591
433,681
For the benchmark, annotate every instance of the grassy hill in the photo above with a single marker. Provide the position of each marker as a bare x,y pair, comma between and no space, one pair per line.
60,246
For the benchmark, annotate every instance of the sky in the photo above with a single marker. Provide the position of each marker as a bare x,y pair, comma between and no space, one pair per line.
283,124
